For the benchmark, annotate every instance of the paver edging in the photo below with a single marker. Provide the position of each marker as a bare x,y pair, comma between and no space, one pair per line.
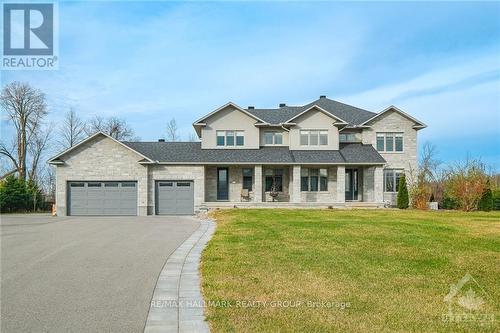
177,302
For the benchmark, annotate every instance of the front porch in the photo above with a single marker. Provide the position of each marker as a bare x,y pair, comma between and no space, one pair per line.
293,186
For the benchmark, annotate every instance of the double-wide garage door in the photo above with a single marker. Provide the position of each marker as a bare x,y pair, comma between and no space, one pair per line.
102,198
174,197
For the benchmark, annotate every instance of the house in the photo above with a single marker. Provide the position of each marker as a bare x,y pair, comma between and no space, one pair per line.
322,154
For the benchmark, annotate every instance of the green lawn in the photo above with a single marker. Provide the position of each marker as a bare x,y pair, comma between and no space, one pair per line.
389,269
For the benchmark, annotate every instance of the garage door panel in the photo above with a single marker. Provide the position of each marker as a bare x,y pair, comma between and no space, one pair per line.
174,198
102,198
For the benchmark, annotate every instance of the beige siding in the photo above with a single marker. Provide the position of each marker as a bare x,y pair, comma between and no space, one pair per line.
101,159
314,120
230,119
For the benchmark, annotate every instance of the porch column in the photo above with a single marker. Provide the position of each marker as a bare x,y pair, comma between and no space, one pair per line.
378,179
257,191
341,183
295,190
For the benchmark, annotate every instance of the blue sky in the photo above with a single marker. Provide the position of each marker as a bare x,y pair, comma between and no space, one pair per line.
149,62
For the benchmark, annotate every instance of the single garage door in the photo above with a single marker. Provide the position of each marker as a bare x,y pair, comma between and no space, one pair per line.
174,197
102,198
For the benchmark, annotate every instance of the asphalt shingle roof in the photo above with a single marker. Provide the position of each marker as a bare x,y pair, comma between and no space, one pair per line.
351,114
191,152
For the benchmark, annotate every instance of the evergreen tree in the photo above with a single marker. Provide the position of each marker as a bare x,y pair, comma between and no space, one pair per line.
403,200
486,202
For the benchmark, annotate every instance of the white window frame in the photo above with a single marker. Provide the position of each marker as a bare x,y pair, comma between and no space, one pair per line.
386,136
274,134
316,133
346,135
234,134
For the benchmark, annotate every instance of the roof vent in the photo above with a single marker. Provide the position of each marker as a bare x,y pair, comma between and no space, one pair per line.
282,105
251,107
322,96
161,140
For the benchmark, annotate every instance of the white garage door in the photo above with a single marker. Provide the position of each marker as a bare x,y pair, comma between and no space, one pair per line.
102,198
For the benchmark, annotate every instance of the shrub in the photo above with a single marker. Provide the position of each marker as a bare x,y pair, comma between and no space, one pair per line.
403,200
16,195
486,202
496,199
449,203
466,184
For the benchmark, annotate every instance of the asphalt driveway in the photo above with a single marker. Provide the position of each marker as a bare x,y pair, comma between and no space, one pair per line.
83,274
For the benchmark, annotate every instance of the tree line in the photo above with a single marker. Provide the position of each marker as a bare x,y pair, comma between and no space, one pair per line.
466,185
27,181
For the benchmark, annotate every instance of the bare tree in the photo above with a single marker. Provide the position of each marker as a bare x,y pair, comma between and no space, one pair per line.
26,108
192,137
112,126
172,130
72,129
37,147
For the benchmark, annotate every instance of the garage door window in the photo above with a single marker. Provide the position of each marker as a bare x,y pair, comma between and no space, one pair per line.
128,184
166,184
77,184
183,184
94,185
111,184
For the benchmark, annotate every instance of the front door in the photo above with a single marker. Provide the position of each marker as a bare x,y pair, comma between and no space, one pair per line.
222,184
351,184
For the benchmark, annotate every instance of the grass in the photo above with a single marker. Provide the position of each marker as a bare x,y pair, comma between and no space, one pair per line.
381,270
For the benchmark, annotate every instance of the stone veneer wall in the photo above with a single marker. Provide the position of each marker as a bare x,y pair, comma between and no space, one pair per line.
101,159
196,173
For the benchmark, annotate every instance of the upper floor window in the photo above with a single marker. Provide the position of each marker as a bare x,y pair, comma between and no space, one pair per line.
313,180
273,138
391,179
314,138
389,142
348,137
230,138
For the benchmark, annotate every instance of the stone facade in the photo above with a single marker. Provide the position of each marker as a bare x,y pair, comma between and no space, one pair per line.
101,159
195,173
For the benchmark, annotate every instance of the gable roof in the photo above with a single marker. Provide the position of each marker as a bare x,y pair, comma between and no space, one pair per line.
199,121
191,153
56,159
315,107
418,123
348,113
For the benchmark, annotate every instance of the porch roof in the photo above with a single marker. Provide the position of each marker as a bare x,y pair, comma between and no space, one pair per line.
191,153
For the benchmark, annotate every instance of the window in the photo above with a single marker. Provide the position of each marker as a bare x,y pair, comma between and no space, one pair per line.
348,137
230,138
391,179
221,138
240,138
110,184
273,138
187,184
94,185
313,138
128,184
313,180
390,142
274,177
247,179
166,184
77,184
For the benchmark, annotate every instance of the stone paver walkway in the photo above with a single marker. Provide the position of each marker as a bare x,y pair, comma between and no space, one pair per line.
177,303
